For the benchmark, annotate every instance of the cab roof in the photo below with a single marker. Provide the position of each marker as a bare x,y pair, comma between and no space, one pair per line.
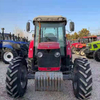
90,37
49,19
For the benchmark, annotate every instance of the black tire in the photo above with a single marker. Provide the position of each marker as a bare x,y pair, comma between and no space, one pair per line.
16,78
4,55
89,56
82,53
82,82
96,55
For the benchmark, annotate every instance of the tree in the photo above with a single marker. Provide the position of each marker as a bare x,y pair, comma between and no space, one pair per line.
76,35
84,32
68,36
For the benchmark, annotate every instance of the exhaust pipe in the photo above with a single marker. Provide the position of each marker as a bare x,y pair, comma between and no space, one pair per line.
3,33
13,37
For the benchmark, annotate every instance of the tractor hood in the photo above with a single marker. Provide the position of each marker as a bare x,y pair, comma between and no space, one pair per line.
48,45
95,42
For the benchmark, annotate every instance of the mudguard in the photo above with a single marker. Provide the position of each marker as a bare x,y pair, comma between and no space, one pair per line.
30,53
7,46
80,45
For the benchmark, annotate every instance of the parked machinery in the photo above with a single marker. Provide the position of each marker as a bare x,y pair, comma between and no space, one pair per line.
93,50
51,62
79,47
12,46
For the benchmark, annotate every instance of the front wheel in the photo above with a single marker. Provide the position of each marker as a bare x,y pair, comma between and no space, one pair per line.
89,56
8,55
16,78
96,55
82,82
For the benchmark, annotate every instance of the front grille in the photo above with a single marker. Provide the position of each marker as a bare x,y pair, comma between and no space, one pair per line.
48,59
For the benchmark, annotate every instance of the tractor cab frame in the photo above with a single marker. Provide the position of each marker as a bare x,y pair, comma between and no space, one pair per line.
51,29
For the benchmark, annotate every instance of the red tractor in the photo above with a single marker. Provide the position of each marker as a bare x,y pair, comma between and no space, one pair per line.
80,46
50,62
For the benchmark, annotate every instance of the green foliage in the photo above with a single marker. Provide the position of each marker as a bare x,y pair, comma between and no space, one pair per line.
80,34
84,32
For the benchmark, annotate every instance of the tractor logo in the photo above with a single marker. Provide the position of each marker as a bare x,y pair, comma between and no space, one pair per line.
49,69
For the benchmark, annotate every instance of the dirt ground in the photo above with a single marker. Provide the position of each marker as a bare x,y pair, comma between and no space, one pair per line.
66,94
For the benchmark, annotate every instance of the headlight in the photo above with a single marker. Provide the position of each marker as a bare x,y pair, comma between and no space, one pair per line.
16,46
39,54
57,54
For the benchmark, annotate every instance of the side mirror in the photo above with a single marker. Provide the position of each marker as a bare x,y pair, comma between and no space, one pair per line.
71,26
28,26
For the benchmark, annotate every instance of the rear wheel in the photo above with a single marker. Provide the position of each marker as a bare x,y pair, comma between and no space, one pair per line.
96,55
82,83
8,55
16,78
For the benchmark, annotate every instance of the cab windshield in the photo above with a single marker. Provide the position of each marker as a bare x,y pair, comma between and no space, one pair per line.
50,32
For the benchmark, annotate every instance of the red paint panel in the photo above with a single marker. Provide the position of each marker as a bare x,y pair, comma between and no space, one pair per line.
48,45
30,53
49,68
80,45
73,44
68,49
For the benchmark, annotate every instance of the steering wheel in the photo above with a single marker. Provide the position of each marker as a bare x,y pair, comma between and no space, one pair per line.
50,37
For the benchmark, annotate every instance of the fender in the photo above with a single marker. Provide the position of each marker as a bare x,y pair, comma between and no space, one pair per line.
30,51
68,49
7,46
0,45
74,44
80,45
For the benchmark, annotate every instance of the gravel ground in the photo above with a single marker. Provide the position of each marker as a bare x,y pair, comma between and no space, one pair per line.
66,94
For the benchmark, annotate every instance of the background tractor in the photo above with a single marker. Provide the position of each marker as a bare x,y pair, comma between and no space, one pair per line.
50,62
93,50
80,46
12,46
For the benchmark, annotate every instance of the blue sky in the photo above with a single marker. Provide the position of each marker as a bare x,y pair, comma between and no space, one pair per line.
15,13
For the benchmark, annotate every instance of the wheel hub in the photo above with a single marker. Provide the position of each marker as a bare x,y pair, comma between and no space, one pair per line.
8,56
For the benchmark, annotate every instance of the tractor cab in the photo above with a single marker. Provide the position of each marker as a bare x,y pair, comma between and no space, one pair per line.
49,42
88,39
